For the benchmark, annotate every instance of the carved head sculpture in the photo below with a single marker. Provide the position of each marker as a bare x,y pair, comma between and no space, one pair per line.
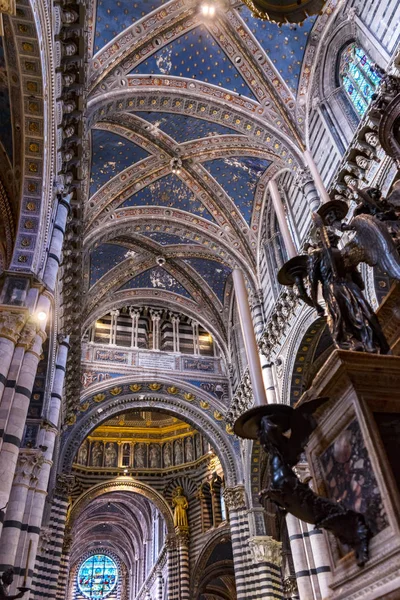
372,138
363,162
70,49
69,78
69,16
69,106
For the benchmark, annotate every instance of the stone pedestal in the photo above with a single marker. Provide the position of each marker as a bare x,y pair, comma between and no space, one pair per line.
354,457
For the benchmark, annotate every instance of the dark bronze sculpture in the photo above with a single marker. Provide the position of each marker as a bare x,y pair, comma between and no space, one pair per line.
351,320
283,432
6,580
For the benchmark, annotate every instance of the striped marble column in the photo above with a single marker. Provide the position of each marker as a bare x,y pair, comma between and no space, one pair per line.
305,584
321,561
52,561
184,572
160,585
25,481
254,580
57,241
12,321
172,567
16,407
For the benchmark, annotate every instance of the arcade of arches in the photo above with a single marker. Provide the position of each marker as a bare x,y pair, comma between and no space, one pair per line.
160,162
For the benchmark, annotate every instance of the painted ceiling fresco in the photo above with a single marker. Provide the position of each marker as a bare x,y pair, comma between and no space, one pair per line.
183,128
167,239
105,257
196,55
113,17
167,71
239,178
111,154
156,278
214,274
169,192
5,109
284,45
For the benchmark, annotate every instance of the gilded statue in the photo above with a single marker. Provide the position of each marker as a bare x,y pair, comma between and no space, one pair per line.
180,504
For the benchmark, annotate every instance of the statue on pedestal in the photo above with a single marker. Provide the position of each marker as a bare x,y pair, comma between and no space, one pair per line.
283,432
6,580
180,504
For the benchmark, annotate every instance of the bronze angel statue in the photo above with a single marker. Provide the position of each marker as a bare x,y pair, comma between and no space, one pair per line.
351,320
283,432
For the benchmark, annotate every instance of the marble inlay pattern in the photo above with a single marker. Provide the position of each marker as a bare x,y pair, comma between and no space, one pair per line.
350,478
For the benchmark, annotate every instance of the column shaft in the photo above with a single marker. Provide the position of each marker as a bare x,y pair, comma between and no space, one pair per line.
281,216
304,583
249,338
319,184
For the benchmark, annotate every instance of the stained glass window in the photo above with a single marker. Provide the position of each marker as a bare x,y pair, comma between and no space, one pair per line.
97,576
359,76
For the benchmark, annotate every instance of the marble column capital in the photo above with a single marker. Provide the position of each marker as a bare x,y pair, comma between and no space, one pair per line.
265,548
28,334
235,498
28,467
64,484
12,322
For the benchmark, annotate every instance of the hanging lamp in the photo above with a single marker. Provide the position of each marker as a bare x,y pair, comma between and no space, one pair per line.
285,11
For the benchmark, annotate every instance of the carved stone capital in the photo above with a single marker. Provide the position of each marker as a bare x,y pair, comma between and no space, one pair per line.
11,323
265,549
171,542
235,498
28,467
182,535
28,334
65,484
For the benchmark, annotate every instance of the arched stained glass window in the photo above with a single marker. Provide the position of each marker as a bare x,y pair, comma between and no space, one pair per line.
359,77
97,576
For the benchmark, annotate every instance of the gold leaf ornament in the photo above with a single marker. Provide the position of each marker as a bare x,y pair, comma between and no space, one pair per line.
116,391
218,416
204,404
172,390
99,397
155,386
135,387
188,396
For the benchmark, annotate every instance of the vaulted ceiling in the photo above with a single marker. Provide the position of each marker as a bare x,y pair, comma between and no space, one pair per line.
189,118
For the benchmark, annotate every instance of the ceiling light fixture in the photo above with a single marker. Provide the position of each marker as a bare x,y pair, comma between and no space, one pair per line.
176,165
41,315
207,9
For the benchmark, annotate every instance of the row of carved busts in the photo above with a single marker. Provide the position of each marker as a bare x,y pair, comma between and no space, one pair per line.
70,38
141,455
364,149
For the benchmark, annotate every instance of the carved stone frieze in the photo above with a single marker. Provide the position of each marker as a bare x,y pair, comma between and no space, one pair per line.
265,549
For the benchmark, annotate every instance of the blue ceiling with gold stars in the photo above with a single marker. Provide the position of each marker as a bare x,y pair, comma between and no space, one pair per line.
284,45
156,278
166,239
196,55
5,109
169,192
113,17
214,273
183,128
105,257
111,154
239,177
